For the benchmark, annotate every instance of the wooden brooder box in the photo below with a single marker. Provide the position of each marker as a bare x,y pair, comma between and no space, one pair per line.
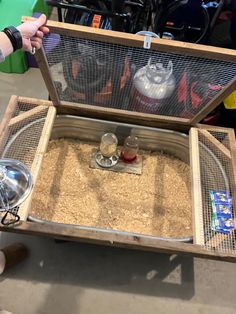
208,72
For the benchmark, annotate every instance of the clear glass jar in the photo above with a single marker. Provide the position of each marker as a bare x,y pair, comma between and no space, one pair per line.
130,149
108,145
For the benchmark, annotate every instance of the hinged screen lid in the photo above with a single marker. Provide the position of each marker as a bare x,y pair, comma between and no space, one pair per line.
109,74
24,134
212,154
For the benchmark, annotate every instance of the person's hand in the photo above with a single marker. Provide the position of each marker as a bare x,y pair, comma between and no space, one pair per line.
32,33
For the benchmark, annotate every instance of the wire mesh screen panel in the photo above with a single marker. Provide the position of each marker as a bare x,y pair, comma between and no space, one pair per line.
26,133
216,174
134,79
25,129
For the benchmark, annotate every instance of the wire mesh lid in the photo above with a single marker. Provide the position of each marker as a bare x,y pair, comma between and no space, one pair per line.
99,68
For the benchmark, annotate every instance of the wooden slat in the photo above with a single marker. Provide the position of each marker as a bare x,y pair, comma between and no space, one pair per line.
120,112
232,144
215,143
133,40
35,168
212,128
196,187
4,126
214,102
44,68
115,239
26,116
119,115
34,101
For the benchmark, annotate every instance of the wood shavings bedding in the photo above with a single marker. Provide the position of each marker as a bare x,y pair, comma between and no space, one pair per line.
156,203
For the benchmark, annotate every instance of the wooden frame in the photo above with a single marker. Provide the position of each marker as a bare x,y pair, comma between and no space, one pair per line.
196,188
121,116
26,116
232,144
132,40
43,65
10,121
4,126
115,239
111,238
39,154
226,152
215,143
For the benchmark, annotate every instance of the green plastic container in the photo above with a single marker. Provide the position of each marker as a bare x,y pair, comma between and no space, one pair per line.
10,14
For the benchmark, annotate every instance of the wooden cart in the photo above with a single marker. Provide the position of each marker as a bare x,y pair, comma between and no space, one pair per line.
216,63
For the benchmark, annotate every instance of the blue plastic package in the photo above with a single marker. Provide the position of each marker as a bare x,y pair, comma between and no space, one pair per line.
220,197
224,210
223,224
222,217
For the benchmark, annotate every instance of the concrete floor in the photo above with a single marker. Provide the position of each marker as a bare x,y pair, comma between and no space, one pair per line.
85,279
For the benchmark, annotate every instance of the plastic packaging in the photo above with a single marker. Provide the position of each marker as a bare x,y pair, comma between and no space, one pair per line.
222,218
